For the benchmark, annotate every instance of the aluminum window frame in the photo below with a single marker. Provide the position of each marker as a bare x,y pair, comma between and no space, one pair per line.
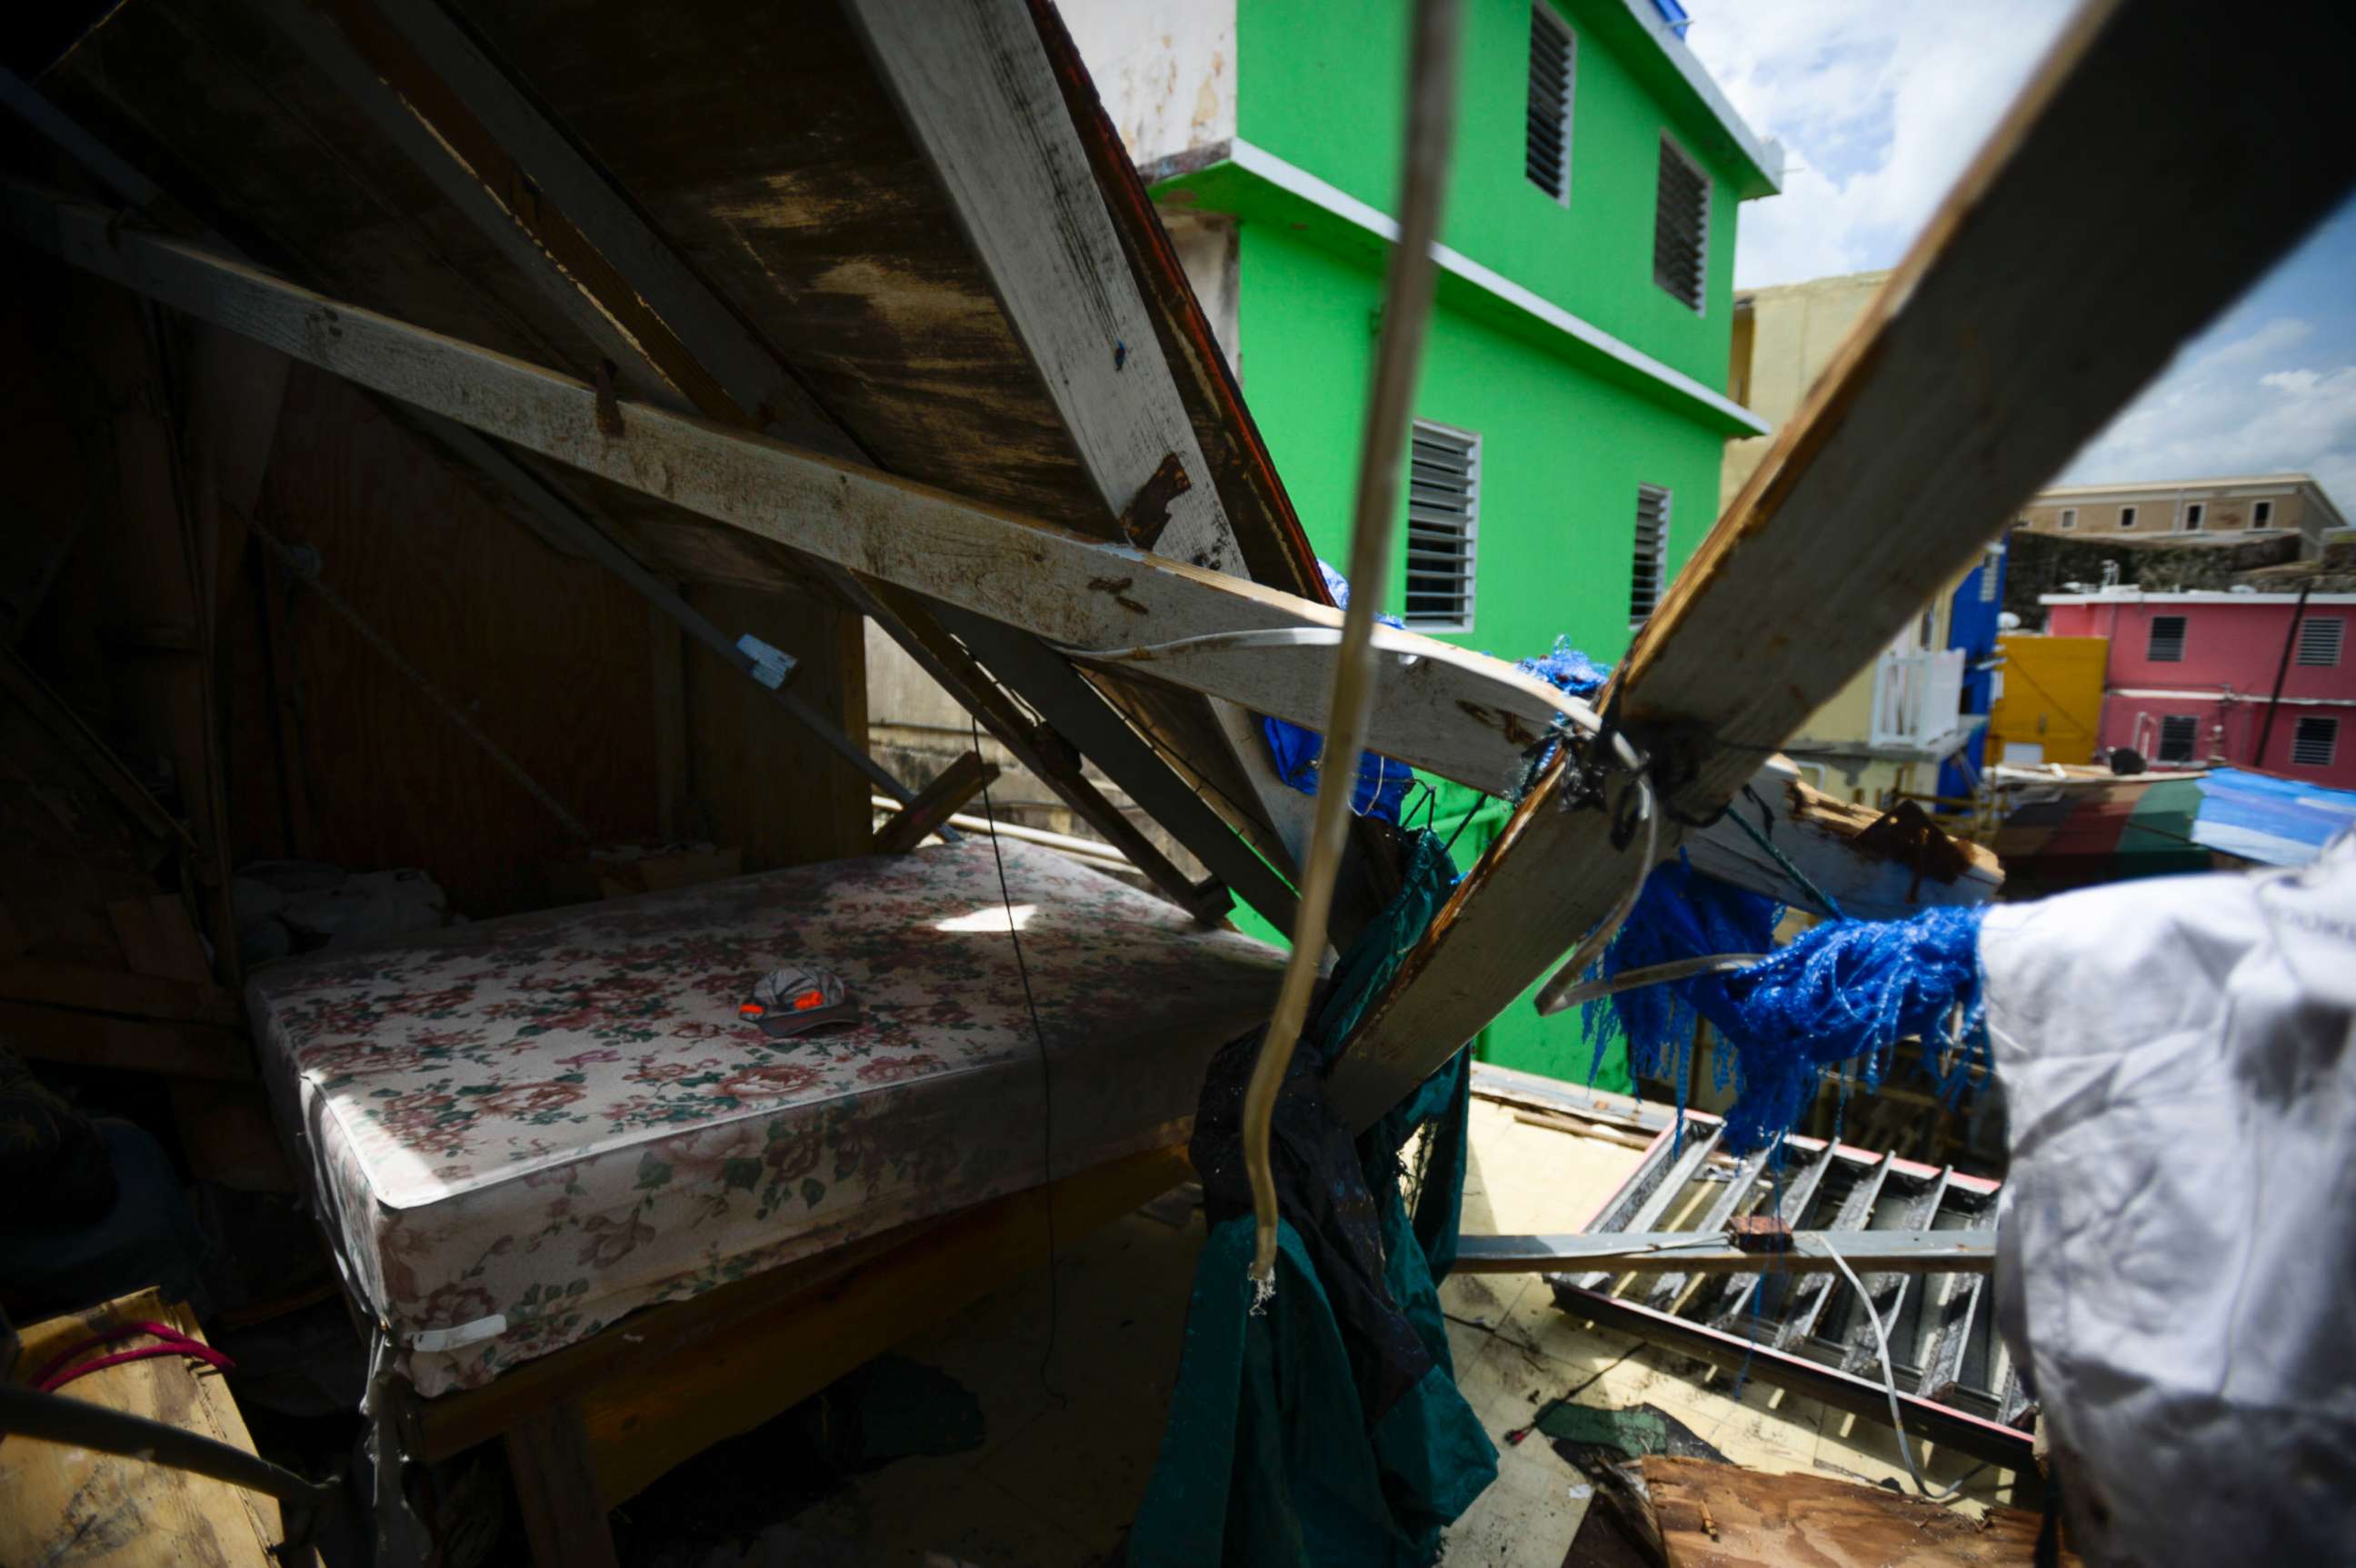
1544,19
1672,148
1468,574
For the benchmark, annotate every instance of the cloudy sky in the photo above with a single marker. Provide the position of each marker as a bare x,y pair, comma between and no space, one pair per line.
1879,105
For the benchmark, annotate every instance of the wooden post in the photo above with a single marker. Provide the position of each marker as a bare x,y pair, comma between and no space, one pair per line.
556,1485
935,804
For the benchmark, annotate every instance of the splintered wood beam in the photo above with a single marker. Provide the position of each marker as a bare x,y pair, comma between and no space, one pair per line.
1461,714
588,225
1080,714
906,621
2025,315
491,140
975,86
935,804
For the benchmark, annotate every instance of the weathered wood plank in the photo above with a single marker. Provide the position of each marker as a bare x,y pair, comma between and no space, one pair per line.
973,82
556,1490
1458,714
975,89
72,1508
1727,1517
935,804
2026,315
907,622
1083,716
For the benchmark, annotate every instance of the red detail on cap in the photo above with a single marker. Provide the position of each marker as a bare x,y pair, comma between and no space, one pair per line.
810,999
752,1010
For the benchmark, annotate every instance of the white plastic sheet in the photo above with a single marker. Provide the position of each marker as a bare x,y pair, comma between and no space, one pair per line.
2177,1267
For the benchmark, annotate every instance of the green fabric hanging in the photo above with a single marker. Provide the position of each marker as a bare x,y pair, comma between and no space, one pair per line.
1269,1459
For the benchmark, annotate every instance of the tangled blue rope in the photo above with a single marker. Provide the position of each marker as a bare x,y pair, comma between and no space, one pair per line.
1846,992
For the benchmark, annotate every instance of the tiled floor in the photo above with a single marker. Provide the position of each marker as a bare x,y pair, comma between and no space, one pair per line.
1074,1424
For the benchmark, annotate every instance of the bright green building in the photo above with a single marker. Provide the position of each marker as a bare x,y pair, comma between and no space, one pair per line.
1571,418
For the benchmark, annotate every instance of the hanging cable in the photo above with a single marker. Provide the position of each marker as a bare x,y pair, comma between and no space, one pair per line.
1889,1378
1407,307
1046,1075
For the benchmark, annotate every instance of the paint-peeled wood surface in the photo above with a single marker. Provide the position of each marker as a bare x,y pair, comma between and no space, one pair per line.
68,1508
761,143
1723,1516
211,100
545,654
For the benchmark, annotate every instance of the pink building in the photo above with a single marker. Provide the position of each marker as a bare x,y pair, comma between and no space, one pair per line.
2192,677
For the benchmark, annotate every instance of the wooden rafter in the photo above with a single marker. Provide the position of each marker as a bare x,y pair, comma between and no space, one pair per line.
1456,714
2027,313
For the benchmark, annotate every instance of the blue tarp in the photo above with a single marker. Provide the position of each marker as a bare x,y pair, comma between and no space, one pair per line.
2273,822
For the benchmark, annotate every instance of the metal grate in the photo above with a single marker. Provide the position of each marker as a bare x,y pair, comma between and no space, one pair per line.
1681,226
1649,568
1553,56
1443,522
2167,644
2318,641
1808,1330
2180,737
2315,742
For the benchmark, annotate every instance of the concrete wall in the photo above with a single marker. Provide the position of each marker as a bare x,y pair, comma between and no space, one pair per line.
1792,334
1325,89
1165,68
2226,643
2227,508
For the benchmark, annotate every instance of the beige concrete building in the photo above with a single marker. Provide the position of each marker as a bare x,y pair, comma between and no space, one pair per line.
1783,338
2291,503
1887,731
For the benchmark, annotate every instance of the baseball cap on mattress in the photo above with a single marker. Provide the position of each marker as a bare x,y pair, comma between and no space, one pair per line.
797,998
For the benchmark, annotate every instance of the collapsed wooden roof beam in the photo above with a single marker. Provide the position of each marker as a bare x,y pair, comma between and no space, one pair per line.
976,90
2028,313
1461,714
482,138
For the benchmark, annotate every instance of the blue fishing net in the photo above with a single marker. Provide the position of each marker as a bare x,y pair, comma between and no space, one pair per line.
1680,914
1295,751
1568,669
1846,992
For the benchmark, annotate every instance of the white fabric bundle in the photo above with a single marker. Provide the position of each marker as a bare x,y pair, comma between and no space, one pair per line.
2177,1257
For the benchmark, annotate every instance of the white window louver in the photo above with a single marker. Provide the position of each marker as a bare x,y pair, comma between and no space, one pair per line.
1681,227
2178,734
1444,517
2167,644
1650,567
2318,641
2315,742
1553,56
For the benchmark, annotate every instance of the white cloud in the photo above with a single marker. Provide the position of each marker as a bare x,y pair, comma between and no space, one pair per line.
1878,106
2231,410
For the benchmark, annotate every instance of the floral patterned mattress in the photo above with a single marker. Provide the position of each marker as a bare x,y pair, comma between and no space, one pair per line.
520,1131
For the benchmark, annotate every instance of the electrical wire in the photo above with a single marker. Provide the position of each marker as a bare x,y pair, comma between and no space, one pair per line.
1047,1080
1889,1378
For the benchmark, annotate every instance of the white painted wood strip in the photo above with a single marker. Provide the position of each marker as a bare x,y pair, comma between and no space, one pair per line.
974,87
325,45
1442,712
1674,1253
751,374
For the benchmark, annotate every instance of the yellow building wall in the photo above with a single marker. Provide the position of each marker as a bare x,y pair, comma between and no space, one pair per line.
2051,696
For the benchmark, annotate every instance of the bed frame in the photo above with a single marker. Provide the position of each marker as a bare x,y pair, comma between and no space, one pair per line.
594,1424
